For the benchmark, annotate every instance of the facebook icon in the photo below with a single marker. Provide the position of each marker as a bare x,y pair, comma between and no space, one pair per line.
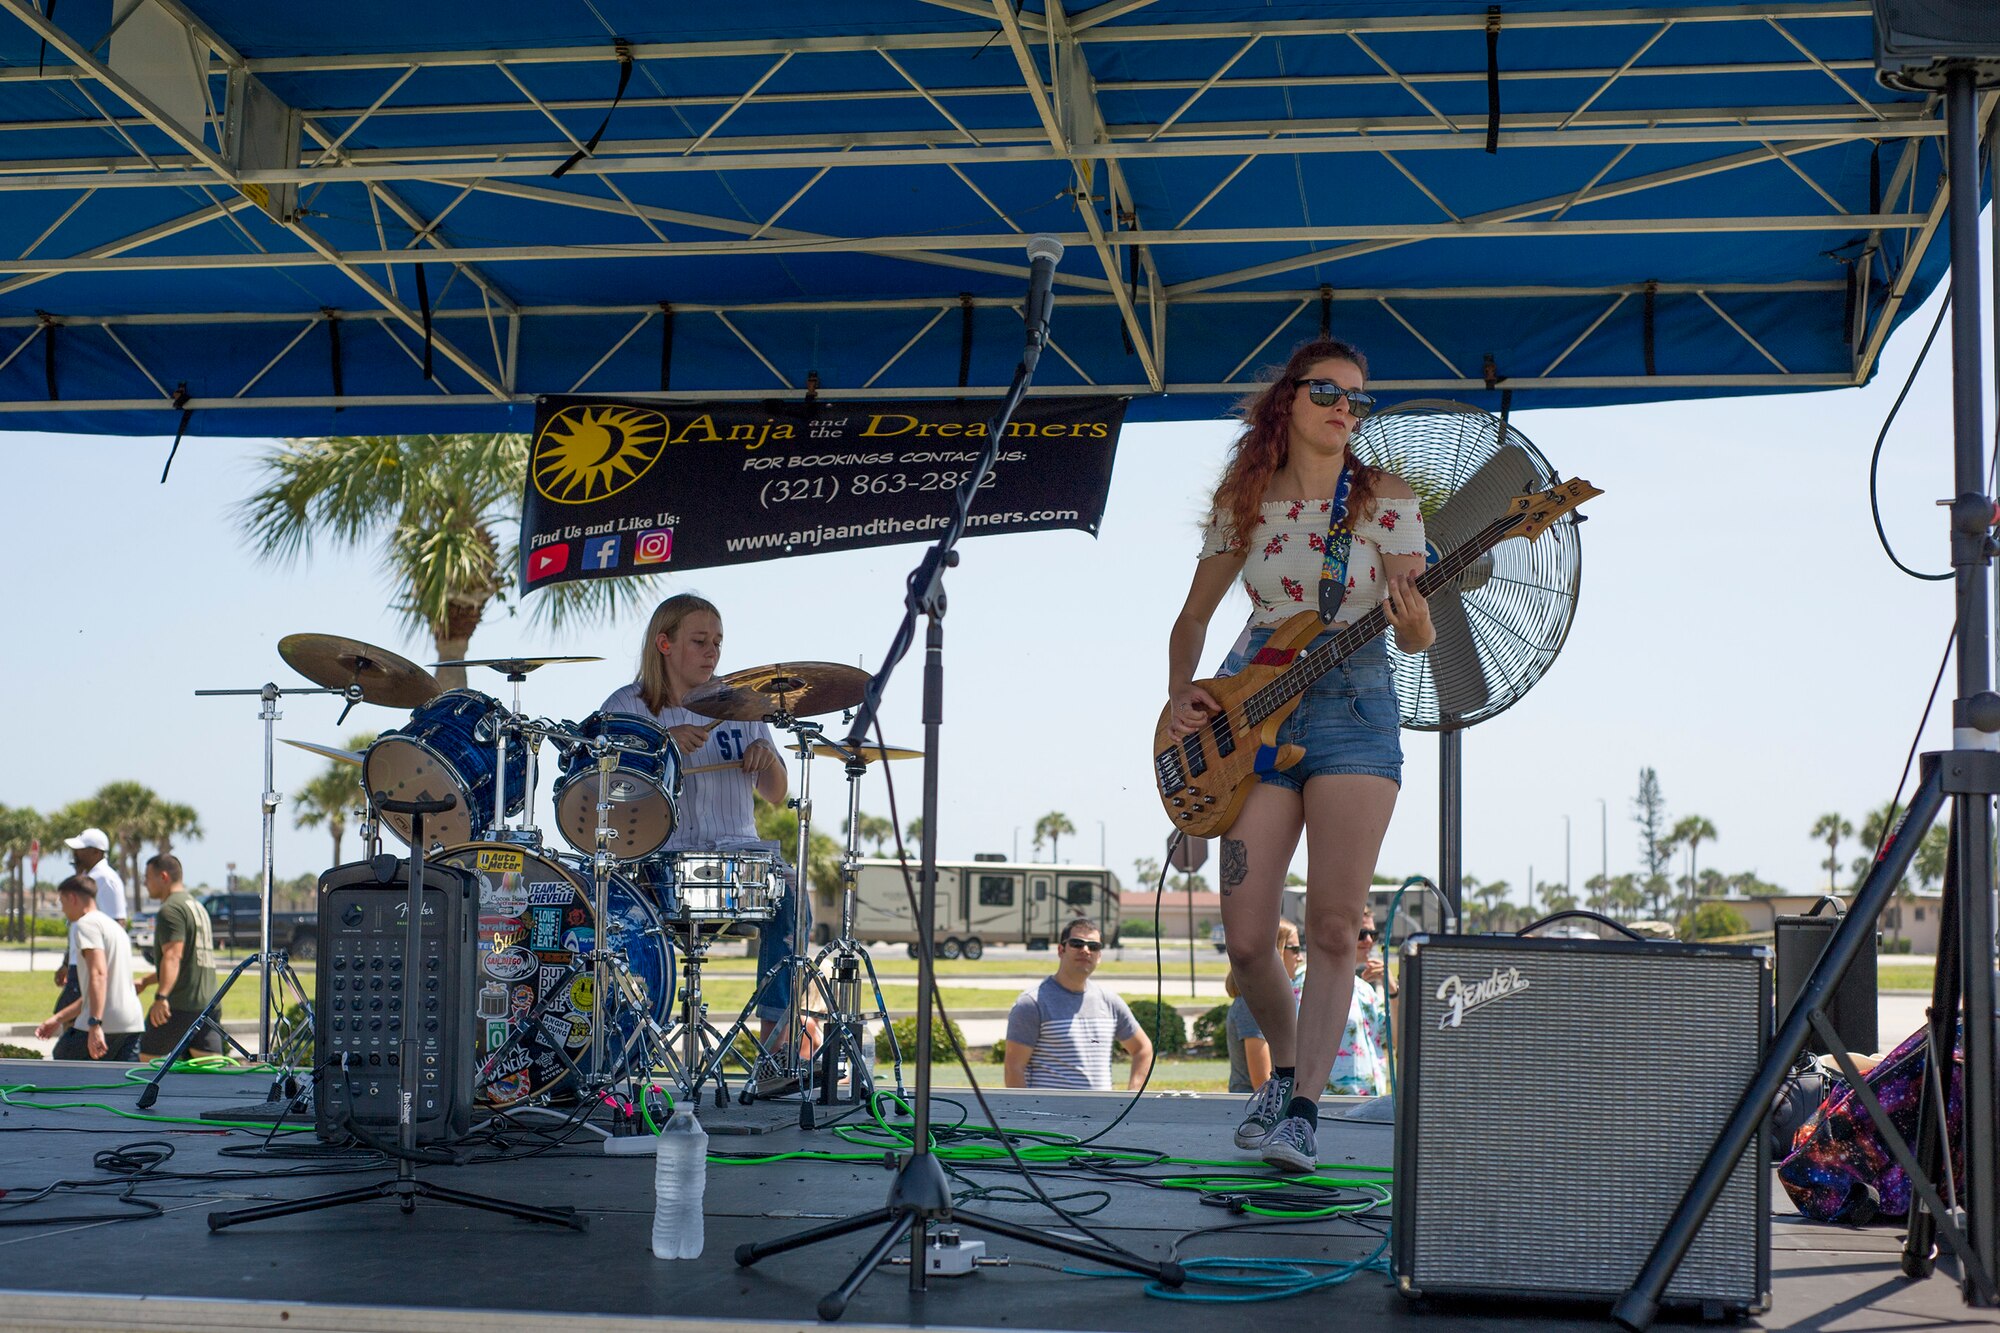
601,553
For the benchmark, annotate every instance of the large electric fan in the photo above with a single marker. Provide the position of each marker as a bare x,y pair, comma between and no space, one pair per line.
1500,625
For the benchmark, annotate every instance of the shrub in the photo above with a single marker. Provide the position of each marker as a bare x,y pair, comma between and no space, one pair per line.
1713,921
906,1039
1896,946
1163,1023
997,1055
1142,926
9,1051
1211,1029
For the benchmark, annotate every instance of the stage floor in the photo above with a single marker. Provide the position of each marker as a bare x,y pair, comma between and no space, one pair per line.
450,1268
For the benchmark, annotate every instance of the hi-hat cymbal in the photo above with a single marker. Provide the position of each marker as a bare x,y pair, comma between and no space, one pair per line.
330,751
384,678
800,689
869,753
514,666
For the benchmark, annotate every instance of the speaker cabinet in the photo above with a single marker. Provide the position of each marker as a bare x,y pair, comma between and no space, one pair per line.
1555,1098
1914,39
1852,1011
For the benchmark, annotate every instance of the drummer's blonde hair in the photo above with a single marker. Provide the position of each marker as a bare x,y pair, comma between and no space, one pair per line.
666,619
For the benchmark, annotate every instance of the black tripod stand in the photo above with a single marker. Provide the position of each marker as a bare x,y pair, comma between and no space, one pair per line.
1970,774
920,1193
404,1187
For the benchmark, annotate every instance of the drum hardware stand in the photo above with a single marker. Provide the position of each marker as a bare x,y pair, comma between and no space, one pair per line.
920,1193
703,1049
1969,773
846,1028
269,715
288,1096
404,1187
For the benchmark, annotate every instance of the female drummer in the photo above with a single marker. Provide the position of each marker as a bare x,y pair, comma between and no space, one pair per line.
1294,507
682,646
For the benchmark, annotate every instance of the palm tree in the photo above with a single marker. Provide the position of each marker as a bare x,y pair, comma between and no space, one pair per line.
125,811
1691,831
443,511
1834,830
19,827
171,820
1147,870
331,795
913,834
1050,828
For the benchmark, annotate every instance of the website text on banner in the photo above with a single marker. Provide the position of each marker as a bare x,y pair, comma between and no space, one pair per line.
621,487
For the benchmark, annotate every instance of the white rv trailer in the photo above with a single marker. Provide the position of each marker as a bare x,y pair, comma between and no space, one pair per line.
979,902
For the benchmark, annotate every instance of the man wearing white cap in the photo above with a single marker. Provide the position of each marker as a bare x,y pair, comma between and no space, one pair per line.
87,854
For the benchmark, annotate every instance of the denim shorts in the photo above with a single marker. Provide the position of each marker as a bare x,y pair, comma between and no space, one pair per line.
1348,721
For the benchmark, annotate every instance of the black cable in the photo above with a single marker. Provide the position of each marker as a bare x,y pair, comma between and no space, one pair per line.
1875,458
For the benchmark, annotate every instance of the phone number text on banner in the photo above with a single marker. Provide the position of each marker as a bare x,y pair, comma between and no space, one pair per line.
623,487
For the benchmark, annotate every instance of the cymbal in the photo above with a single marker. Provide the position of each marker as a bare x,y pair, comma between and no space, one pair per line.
384,678
330,751
869,753
514,666
801,689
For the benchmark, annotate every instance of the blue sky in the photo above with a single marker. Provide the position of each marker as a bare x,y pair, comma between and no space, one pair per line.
1738,630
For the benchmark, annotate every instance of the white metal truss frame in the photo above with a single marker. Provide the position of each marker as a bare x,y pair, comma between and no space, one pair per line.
1068,125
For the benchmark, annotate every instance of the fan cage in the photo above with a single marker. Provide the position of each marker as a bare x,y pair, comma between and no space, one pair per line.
1518,602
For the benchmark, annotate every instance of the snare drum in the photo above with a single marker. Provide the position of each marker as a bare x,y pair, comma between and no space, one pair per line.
447,747
535,917
694,888
644,788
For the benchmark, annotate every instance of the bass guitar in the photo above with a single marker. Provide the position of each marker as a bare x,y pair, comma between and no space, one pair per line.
1204,777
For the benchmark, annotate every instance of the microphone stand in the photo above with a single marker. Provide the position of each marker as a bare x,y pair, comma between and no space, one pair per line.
920,1193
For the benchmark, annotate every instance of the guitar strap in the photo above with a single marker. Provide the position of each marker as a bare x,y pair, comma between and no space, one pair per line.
1339,542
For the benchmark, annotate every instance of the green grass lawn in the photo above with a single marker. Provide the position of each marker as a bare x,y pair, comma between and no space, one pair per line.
28,997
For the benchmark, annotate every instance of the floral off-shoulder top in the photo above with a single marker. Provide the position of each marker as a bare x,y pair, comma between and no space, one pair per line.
1288,549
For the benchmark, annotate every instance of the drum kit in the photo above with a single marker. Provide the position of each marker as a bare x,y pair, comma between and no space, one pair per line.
590,959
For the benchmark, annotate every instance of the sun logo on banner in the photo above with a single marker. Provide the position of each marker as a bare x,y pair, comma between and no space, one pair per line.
591,451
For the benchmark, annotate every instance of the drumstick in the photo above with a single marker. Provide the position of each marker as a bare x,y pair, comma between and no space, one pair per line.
712,768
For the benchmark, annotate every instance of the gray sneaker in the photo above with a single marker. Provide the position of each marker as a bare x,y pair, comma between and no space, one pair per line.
1266,1109
1290,1146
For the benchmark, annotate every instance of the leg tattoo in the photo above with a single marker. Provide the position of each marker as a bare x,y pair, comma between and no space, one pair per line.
1235,864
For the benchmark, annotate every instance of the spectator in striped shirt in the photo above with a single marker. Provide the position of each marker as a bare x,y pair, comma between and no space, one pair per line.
1059,1034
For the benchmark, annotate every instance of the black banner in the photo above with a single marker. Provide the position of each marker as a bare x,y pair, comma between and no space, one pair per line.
618,487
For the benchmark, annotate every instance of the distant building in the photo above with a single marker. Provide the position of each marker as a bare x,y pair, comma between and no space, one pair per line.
1913,916
1420,910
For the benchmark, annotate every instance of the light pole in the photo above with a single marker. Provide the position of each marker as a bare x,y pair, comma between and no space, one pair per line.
1102,859
1568,888
1604,844
1017,844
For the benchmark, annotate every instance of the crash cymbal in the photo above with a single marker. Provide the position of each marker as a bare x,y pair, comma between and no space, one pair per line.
801,689
869,753
384,678
330,751
514,666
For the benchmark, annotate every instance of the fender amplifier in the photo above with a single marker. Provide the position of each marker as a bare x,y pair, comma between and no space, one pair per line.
358,1034
1554,1100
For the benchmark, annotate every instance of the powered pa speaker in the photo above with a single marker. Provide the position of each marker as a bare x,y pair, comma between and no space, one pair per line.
359,1020
1554,1100
1916,40
1800,941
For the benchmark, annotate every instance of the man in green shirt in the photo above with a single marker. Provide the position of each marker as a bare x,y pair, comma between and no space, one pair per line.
186,945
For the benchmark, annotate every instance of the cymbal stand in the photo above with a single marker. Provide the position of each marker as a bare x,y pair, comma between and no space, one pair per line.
267,958
846,1027
531,740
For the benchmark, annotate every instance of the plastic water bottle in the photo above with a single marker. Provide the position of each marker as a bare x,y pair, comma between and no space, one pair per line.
680,1178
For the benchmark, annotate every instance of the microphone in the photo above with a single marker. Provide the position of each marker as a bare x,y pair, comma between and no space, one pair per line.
1044,252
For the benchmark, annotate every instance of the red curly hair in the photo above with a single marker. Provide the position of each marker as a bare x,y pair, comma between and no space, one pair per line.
1265,443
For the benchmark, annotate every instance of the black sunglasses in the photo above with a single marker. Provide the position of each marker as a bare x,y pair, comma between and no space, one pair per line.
1325,393
1368,935
1095,946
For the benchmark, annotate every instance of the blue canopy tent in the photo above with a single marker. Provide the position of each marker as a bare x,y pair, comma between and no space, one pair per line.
255,211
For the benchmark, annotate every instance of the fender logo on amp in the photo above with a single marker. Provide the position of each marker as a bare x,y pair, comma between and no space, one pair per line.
1462,997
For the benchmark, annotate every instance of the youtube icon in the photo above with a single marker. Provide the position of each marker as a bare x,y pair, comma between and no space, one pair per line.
551,559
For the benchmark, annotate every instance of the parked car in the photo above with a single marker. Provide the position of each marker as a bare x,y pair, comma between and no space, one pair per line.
236,919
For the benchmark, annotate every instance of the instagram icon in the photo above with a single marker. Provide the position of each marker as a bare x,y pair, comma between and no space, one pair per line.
656,547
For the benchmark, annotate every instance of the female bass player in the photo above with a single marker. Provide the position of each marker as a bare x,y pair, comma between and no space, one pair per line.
682,646
1294,509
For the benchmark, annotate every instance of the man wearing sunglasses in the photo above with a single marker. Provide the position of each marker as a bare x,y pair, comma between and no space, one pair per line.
1059,1034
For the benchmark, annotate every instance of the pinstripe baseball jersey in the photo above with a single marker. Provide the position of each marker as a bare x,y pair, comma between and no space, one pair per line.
713,806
